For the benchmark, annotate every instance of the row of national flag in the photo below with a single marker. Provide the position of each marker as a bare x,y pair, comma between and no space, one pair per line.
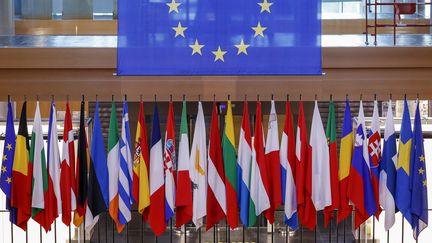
206,182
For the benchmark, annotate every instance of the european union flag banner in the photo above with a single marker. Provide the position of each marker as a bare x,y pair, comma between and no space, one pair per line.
202,37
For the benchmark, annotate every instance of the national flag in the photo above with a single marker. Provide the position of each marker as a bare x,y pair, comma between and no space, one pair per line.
272,161
288,170
360,189
419,198
305,206
156,216
68,188
387,166
229,158
169,165
334,164
259,177
53,206
244,159
198,169
40,201
374,148
125,171
403,167
216,194
345,157
321,185
140,180
7,163
98,180
184,187
81,171
113,160
22,172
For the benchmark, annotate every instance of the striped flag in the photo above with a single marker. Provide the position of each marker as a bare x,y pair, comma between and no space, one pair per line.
53,204
81,171
156,216
305,207
40,201
140,180
98,187
403,167
198,169
259,177
125,171
244,159
113,160
374,148
272,162
169,165
229,157
334,164
387,179
288,170
7,163
68,188
360,189
321,186
184,187
345,157
419,199
216,194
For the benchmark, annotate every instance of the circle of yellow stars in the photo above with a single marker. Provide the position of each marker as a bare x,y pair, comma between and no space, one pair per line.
179,32
3,168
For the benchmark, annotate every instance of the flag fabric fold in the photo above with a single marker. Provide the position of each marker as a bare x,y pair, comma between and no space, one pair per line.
184,187
288,170
419,197
334,164
216,194
170,160
125,170
244,159
156,216
272,161
229,158
387,179
360,189
7,163
198,169
98,178
345,157
374,148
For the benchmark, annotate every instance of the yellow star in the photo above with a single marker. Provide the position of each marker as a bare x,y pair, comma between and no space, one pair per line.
9,180
196,47
219,54
9,146
4,169
424,183
422,158
4,157
179,30
265,6
259,30
242,48
173,6
421,171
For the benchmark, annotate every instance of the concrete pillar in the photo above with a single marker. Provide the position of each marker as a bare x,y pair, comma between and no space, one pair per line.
77,9
7,17
36,9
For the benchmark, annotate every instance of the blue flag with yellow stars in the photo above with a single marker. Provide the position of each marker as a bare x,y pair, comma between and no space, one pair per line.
419,201
202,37
7,162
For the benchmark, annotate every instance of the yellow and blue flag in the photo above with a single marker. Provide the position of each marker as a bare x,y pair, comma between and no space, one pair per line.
7,162
199,37
419,201
403,190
